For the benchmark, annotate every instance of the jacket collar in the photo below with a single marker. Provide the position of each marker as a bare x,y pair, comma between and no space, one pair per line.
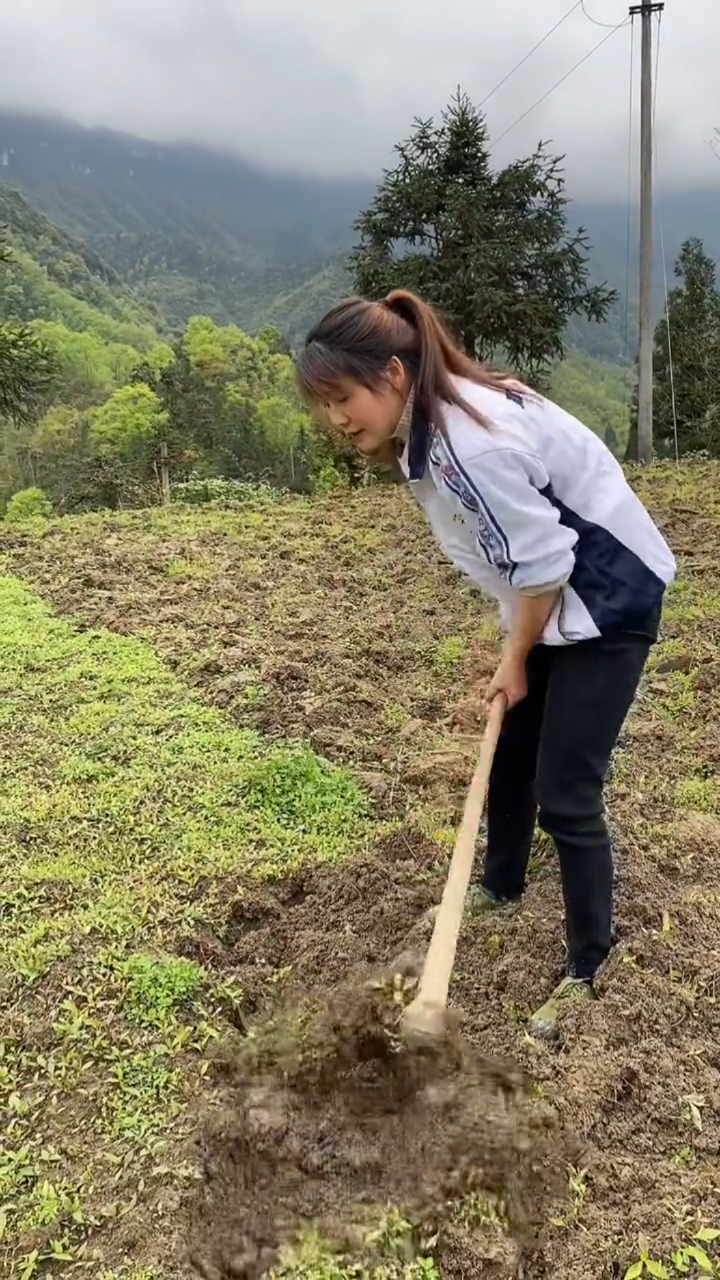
413,432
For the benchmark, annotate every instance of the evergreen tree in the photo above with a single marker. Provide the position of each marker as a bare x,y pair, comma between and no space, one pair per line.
25,366
490,249
687,358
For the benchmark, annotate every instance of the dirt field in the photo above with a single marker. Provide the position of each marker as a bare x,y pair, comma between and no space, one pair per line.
172,869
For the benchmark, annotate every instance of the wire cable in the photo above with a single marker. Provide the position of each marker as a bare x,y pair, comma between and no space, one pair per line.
608,25
578,4
562,80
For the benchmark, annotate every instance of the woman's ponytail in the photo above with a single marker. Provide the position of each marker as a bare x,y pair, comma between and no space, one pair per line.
437,352
440,359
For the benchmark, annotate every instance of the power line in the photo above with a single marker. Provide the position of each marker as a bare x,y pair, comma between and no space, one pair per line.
608,25
562,80
578,4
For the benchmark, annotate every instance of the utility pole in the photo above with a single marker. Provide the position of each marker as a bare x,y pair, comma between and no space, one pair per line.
645,12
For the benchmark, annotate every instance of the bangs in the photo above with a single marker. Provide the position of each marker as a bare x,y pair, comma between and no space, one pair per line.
324,373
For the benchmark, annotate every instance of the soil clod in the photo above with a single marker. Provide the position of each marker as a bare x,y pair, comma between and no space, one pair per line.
324,1116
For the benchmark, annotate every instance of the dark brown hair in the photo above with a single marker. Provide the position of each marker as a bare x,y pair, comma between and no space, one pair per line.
357,339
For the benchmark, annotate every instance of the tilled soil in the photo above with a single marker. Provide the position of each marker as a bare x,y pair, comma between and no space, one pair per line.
322,923
328,622
324,1113
367,1123
612,1102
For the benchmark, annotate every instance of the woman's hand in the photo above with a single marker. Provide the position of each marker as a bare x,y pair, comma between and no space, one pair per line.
509,679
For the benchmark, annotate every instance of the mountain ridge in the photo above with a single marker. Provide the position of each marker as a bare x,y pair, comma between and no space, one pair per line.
193,229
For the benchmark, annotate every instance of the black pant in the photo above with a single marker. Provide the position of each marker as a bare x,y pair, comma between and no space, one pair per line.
551,763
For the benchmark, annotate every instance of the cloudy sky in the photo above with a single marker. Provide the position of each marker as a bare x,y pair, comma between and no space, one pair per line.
329,85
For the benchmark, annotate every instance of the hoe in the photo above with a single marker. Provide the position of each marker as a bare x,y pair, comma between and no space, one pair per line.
424,1020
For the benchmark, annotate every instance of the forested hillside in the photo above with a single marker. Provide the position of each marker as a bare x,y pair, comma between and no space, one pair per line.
123,378
93,327
57,277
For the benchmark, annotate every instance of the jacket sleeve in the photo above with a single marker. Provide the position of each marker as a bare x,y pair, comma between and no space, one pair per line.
518,526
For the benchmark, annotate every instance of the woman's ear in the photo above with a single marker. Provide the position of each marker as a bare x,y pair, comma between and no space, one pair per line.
397,374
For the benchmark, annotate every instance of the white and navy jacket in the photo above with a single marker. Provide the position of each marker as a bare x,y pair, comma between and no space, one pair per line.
538,501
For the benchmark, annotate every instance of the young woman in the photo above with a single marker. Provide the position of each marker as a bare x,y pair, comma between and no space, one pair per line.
532,506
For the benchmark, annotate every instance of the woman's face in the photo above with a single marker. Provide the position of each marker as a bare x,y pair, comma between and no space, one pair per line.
369,416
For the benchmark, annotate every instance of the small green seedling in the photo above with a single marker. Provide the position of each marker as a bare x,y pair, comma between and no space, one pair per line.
646,1266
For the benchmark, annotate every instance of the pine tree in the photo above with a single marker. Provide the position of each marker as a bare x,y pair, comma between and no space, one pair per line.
490,249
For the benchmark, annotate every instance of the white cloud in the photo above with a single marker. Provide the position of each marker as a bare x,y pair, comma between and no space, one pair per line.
330,86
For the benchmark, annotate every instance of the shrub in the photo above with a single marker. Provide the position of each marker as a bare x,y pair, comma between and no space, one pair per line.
329,479
27,504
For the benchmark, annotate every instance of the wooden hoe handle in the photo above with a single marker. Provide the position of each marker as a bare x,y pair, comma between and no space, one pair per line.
426,1013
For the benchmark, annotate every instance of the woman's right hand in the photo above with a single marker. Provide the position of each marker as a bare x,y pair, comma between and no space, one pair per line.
510,679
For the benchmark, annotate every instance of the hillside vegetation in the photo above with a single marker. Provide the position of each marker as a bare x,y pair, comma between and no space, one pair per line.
95,330
225,402
596,392
57,277
195,721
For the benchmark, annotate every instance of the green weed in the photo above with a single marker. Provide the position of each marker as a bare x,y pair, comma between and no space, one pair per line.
392,1248
181,568
131,1273
449,653
699,794
157,988
394,715
293,787
691,1259
144,1093
578,1190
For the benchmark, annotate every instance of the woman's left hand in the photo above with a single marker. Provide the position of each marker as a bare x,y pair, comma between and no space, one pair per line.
509,679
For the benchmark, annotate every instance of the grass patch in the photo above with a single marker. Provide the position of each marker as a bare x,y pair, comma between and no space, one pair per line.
121,791
290,787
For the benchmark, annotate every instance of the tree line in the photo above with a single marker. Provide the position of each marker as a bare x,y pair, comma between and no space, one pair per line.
223,402
88,397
